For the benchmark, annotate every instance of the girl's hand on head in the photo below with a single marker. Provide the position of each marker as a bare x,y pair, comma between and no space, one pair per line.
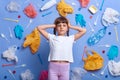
53,25
69,25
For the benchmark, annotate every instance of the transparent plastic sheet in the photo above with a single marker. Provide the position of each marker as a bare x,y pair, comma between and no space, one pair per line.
114,68
27,75
77,73
10,53
13,7
110,16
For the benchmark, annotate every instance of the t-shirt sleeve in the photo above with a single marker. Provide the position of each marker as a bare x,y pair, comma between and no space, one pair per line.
50,36
72,38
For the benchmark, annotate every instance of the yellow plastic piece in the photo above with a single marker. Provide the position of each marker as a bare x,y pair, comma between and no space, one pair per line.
64,8
33,40
93,9
93,62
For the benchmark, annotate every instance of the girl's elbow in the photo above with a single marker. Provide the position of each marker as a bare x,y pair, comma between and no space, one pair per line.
84,30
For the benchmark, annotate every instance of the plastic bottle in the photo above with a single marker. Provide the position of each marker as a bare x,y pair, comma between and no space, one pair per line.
48,5
95,38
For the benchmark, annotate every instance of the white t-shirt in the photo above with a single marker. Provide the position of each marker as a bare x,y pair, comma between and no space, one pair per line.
61,47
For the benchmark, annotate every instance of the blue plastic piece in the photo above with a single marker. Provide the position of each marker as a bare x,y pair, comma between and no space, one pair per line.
95,38
80,20
113,52
46,14
18,31
102,5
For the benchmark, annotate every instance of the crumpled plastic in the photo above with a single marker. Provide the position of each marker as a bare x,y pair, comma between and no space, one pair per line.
114,68
30,11
32,40
47,5
77,73
10,54
64,8
96,37
93,62
80,20
113,52
18,30
110,16
27,75
84,3
13,6
43,75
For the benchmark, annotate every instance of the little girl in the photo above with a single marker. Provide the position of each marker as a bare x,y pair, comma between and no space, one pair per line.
61,45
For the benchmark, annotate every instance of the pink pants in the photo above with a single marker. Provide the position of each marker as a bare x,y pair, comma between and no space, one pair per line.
58,71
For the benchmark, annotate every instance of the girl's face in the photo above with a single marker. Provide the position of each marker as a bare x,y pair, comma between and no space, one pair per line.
61,29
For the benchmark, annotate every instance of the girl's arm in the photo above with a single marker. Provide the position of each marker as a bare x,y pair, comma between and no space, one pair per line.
42,29
81,31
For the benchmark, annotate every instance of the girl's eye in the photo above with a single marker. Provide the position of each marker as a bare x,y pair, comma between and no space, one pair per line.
58,25
64,25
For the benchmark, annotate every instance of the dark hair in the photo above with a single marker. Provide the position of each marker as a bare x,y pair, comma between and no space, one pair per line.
60,20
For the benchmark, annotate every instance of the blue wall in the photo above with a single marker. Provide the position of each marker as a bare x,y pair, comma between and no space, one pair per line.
32,61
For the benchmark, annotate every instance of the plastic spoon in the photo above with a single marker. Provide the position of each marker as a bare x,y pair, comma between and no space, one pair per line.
23,65
92,30
97,3
102,72
30,21
3,36
11,20
95,76
11,74
10,33
95,22
116,32
106,45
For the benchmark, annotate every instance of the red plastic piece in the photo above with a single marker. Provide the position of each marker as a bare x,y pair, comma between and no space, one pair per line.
30,11
84,3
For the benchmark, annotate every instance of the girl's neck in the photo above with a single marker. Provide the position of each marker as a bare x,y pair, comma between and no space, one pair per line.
61,35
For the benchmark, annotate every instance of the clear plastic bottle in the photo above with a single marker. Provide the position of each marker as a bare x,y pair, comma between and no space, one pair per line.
95,38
